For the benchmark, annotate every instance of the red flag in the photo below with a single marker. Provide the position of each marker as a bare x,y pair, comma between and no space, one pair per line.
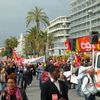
84,44
67,45
63,60
15,56
77,60
17,59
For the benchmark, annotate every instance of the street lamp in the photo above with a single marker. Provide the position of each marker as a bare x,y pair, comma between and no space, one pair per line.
46,46
90,13
64,26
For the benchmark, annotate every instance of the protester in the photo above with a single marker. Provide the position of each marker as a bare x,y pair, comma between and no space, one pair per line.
63,78
40,69
3,76
11,68
74,73
20,76
12,92
54,89
30,74
25,77
88,85
81,73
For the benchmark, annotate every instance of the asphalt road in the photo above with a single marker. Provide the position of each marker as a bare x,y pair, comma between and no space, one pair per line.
33,93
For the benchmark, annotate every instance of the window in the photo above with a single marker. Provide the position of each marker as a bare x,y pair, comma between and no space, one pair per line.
98,62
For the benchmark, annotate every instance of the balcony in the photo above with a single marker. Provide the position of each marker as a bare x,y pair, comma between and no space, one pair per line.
90,6
61,35
58,29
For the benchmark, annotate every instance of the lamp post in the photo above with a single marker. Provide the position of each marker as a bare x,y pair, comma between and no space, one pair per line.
46,46
90,13
64,26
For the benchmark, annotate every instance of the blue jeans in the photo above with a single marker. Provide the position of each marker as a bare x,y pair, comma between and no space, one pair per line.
78,88
91,97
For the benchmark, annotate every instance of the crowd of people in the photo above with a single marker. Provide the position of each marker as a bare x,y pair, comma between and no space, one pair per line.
54,85
57,85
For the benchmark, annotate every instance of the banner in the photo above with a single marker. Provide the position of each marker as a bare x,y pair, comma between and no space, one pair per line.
74,79
84,44
34,60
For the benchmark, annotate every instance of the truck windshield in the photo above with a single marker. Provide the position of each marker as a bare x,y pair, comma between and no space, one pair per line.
98,62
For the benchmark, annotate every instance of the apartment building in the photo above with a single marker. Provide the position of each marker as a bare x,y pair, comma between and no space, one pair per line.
59,27
85,17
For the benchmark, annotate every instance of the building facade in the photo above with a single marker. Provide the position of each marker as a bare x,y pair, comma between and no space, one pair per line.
85,17
59,27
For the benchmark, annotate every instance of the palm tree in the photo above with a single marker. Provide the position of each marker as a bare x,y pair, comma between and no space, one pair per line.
38,16
31,38
37,44
50,39
45,42
34,43
42,41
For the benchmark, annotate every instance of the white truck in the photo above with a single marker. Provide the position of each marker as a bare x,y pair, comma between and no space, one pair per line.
97,70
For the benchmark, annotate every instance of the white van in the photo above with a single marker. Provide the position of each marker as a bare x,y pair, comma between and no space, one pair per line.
97,70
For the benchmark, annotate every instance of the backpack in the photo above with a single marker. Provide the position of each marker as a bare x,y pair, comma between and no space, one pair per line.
84,77
92,89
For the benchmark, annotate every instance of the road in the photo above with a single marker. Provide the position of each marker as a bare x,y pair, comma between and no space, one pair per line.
33,93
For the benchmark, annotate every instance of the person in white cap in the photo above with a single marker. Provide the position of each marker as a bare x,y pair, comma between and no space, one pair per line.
88,85
81,73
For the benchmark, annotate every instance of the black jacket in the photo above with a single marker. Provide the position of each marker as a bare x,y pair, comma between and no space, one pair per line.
48,89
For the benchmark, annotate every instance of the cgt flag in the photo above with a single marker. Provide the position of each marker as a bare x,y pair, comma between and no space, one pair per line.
84,44
67,44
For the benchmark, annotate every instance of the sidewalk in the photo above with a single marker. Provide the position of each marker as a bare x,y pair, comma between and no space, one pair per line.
33,91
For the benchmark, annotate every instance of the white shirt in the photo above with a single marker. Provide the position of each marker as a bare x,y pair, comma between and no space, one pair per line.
81,71
84,86
56,83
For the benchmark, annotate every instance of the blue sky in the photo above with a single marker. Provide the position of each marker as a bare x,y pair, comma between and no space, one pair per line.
14,12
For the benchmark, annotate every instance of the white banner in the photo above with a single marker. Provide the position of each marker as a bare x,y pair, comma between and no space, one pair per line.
74,79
